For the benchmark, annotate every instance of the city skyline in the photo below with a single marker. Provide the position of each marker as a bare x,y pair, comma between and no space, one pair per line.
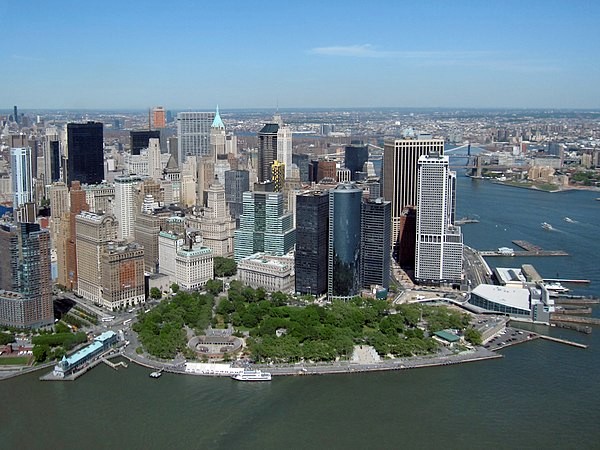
241,55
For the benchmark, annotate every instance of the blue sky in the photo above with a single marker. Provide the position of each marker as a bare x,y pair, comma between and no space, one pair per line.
245,54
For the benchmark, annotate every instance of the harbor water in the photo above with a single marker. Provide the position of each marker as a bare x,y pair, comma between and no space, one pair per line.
540,395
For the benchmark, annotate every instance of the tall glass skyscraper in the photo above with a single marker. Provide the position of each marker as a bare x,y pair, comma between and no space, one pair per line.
264,227
25,276
344,241
236,183
376,221
267,150
193,134
312,228
85,152
355,156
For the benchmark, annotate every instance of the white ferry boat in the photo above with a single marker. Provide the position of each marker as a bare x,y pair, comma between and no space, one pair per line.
556,288
547,226
156,374
252,375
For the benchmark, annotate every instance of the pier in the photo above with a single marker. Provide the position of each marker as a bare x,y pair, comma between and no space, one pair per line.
562,280
113,365
574,319
529,249
562,341
572,300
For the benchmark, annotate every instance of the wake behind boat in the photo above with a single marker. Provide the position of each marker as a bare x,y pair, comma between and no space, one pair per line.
252,375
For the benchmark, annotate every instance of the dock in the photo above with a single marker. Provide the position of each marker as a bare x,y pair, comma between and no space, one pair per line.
529,249
113,365
574,319
570,300
562,280
562,341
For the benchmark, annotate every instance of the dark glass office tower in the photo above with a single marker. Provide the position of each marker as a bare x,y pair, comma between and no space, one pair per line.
54,161
140,139
344,241
267,150
236,183
301,160
312,227
86,154
355,156
376,223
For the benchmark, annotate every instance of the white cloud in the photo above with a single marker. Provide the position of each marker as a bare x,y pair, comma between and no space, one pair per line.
481,59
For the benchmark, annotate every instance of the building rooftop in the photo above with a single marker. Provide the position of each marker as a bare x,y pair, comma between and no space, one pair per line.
447,336
507,296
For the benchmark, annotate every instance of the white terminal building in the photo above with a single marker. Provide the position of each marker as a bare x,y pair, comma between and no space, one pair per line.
516,297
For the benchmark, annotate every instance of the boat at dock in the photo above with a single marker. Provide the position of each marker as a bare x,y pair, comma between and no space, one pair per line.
156,374
547,226
252,375
556,288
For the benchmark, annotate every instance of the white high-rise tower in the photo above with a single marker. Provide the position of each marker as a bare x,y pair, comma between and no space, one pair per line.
125,210
439,246
21,176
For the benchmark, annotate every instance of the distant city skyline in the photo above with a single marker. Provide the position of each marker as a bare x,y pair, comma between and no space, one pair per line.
430,54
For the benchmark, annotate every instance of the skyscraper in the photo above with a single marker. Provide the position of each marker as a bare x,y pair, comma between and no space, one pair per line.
85,152
158,117
236,183
312,226
278,170
193,134
264,227
376,221
94,233
25,276
141,139
439,251
267,150
400,165
355,156
284,146
218,136
125,207
344,241
22,176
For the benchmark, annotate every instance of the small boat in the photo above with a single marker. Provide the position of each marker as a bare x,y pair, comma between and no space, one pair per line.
547,226
156,374
568,219
252,375
556,288
465,220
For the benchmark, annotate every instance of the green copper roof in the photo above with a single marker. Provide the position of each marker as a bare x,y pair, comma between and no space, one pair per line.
218,123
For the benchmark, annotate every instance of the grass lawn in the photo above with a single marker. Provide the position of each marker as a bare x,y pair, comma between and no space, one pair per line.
14,361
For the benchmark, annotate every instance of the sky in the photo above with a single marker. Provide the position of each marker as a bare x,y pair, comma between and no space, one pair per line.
129,54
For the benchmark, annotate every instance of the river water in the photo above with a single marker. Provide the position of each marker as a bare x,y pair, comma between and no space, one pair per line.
541,395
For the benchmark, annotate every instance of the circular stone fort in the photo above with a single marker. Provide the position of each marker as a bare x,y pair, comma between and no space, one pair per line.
215,347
